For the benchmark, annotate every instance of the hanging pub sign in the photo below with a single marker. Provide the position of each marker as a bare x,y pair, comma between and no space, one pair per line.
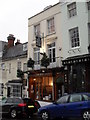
38,41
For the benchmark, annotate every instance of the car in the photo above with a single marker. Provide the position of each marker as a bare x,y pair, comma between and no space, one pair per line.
70,106
18,106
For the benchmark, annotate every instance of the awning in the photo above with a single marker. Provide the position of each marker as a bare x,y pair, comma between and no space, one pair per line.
60,80
76,59
14,82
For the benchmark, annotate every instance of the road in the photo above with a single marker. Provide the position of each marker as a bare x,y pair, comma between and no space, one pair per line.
35,117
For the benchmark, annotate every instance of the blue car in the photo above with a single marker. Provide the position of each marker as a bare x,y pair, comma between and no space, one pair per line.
68,106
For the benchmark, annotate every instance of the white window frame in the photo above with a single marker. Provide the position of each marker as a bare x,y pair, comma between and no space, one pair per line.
9,67
16,90
74,37
37,55
52,47
72,11
24,66
3,66
37,30
19,65
51,25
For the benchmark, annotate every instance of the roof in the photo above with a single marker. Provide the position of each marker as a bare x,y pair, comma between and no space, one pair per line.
45,9
15,51
2,44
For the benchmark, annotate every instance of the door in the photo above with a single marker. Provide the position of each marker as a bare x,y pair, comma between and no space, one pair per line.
74,106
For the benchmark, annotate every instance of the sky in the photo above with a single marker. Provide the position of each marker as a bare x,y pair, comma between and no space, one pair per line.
14,16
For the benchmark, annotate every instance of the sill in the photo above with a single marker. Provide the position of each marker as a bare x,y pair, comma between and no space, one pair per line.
50,34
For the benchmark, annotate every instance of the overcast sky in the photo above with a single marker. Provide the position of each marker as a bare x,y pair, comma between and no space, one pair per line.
14,16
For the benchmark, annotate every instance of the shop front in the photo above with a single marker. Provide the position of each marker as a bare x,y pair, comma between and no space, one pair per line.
43,85
78,73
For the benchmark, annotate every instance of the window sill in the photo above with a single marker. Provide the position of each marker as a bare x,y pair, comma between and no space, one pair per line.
50,34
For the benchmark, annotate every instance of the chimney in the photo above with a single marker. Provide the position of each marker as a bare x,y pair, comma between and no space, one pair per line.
10,39
18,42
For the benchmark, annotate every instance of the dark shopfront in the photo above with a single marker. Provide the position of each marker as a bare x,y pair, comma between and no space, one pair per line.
45,84
77,74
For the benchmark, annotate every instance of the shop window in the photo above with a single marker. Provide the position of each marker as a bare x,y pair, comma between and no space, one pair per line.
44,89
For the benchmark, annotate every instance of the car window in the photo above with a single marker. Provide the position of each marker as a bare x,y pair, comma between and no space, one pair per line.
28,101
62,100
9,100
17,100
75,98
86,97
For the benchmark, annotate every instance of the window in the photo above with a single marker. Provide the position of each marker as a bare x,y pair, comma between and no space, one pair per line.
72,10
37,29
3,66
16,90
51,26
63,99
89,32
9,67
74,36
51,52
24,66
37,55
1,89
88,5
19,65
44,88
86,98
75,98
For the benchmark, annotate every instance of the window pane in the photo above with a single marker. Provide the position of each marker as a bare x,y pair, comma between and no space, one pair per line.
74,36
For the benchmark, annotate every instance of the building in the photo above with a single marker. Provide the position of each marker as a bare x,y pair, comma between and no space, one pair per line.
14,57
44,36
76,45
2,44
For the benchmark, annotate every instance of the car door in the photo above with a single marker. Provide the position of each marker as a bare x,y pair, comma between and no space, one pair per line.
6,105
74,106
61,106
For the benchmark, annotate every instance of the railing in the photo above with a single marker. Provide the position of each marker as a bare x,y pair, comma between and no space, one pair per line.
54,62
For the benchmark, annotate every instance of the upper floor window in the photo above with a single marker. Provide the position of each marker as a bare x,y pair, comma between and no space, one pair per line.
72,9
19,65
74,36
24,66
37,55
37,30
3,66
88,5
1,89
51,52
51,25
9,67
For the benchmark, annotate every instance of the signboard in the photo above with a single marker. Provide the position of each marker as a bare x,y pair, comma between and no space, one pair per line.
38,41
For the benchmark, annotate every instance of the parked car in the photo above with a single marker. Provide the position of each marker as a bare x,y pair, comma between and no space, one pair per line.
69,106
18,106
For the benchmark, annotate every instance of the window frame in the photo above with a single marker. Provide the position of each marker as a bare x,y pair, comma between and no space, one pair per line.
37,30
51,25
37,56
74,37
72,9
52,52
